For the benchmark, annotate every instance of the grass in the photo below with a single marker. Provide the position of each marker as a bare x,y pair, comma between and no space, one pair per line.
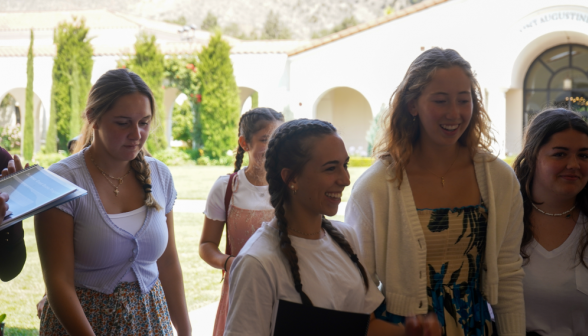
19,297
194,182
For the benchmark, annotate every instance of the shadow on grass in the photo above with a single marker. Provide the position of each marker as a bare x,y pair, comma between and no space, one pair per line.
8,331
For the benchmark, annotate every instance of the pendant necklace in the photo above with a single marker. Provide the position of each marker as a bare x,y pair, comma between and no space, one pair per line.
108,177
442,178
565,213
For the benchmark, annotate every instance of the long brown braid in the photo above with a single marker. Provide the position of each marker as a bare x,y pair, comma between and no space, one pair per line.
143,174
250,123
289,148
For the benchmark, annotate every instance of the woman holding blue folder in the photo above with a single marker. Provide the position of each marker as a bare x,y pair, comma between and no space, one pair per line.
109,258
300,257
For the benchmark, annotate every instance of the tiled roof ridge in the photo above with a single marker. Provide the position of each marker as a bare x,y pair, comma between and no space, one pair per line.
365,26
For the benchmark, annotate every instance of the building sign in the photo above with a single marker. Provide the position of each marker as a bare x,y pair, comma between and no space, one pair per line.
555,16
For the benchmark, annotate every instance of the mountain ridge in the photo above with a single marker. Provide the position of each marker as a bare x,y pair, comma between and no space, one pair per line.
302,18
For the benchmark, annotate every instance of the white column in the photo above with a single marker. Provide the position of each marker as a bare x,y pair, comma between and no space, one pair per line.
496,108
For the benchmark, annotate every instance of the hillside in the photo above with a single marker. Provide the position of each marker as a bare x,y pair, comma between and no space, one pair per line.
301,17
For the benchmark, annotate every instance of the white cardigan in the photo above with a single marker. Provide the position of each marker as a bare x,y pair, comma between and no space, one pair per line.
394,248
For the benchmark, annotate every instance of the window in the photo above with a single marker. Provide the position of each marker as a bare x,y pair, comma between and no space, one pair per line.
558,77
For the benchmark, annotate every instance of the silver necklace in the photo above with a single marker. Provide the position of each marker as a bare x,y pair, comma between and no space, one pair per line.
555,215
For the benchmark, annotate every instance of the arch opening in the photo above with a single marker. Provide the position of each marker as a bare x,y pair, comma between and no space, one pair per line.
351,114
558,77
249,98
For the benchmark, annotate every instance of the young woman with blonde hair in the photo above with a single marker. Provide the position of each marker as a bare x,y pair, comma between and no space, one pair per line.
439,218
109,259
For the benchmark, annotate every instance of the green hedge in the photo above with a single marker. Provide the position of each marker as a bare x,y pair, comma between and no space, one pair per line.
360,161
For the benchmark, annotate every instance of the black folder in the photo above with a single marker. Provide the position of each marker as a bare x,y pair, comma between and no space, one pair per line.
295,319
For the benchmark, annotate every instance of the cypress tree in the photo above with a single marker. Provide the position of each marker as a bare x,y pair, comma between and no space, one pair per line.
28,144
72,71
219,109
148,63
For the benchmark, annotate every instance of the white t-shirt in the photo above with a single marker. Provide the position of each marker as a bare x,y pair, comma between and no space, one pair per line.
245,196
131,222
556,288
260,277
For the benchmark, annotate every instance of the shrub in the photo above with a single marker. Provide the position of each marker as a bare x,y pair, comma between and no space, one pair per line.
359,161
173,157
72,71
47,159
29,121
220,106
203,161
10,137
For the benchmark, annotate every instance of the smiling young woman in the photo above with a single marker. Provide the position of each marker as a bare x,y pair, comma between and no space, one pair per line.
300,256
109,257
553,172
439,217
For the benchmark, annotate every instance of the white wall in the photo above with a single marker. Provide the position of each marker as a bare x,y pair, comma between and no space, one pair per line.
350,113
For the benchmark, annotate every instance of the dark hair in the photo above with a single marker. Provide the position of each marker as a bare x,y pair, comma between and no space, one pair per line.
289,148
110,87
538,133
252,122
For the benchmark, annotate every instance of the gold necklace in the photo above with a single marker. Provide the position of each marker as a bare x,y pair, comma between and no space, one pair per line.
106,176
442,177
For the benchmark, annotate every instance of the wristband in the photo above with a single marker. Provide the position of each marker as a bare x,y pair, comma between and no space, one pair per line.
225,266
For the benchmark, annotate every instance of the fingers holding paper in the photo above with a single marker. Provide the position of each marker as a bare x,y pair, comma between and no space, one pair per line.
3,205
14,165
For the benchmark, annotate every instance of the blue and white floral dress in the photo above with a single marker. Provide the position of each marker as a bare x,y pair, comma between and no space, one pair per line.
456,241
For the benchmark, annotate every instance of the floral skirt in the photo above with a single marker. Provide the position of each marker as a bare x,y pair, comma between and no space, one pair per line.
127,311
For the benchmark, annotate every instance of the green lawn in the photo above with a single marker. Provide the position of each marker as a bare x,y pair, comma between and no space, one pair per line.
18,298
194,182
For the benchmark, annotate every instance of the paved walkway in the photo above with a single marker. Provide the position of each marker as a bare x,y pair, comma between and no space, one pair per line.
202,319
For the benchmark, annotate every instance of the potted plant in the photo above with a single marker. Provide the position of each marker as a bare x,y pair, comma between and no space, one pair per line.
2,317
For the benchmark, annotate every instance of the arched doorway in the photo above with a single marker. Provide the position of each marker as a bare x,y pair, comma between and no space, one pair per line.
351,113
558,77
249,98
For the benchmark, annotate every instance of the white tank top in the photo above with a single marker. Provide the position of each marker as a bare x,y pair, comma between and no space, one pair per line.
131,222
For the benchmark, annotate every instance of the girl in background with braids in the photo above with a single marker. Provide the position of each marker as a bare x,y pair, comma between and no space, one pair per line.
300,256
240,200
109,258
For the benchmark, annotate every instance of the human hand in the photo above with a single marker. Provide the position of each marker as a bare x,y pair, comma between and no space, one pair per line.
423,325
3,205
40,306
13,166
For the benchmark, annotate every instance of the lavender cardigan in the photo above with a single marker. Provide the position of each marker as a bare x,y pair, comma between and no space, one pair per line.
103,252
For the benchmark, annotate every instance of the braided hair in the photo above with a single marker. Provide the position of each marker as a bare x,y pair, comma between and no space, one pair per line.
252,122
290,148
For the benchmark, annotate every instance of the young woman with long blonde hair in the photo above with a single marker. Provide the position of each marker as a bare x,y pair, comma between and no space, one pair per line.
439,217
109,258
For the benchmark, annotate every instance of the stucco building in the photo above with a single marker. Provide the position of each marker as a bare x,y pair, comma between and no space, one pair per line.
527,54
